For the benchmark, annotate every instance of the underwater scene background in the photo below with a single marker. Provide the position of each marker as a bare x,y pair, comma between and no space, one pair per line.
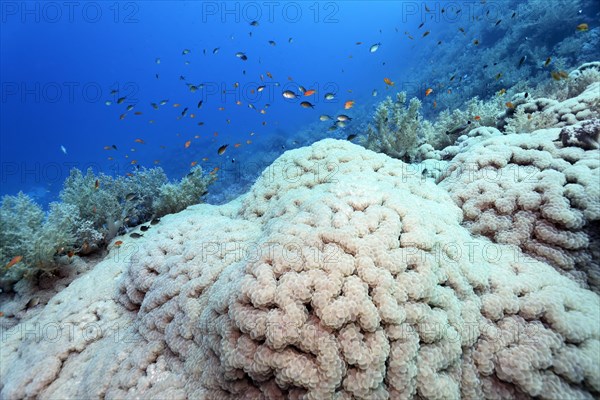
304,200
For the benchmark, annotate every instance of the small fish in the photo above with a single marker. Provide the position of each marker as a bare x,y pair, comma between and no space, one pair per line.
349,104
476,42
241,56
254,23
548,60
114,147
222,149
133,162
502,92
340,124
388,81
136,235
582,27
428,92
163,102
426,33
97,184
108,102
157,60
272,42
325,117
215,50
184,112
306,104
521,61
63,149
15,260
374,93
155,221
288,94
34,301
374,47
351,137
141,141
176,105
343,117
310,92
187,144
137,113
329,96
434,104
290,40
498,22
237,145
514,14
526,95
118,243
144,228
499,75
122,116
120,100
130,107
185,51
510,105
462,30
477,118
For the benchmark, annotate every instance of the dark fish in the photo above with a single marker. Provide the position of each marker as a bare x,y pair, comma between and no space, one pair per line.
420,26
514,14
136,235
144,228
155,221
200,104
241,56
521,61
120,100
526,95
306,104
156,75
184,111
351,137
114,147
216,50
181,78
222,149
254,23
498,23
131,196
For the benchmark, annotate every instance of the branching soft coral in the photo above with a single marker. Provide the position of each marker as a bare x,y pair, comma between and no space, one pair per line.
397,128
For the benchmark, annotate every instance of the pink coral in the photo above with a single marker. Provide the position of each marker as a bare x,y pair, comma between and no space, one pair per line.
340,275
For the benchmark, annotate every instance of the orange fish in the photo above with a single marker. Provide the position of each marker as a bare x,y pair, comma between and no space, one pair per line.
477,118
214,170
434,104
221,108
118,243
239,103
138,113
582,27
176,105
129,174
1,314
388,81
510,105
70,253
428,92
14,261
349,104
133,162
187,144
192,115
310,92
205,159
139,141
237,145
193,163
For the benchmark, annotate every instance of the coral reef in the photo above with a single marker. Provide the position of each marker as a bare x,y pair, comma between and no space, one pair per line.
317,285
93,210
585,135
397,128
527,190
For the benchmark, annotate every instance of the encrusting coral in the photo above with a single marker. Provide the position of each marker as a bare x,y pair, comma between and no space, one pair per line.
316,285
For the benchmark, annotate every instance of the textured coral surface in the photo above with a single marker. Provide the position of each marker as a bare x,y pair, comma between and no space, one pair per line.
342,274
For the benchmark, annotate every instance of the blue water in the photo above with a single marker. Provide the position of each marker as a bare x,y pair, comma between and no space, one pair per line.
60,64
